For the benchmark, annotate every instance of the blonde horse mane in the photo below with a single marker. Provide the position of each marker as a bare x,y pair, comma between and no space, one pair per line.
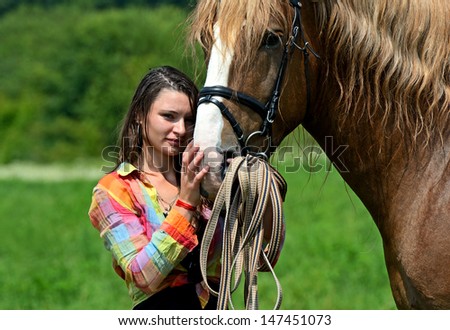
390,58
246,20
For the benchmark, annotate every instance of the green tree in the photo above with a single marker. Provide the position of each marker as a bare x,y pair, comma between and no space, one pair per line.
9,5
71,75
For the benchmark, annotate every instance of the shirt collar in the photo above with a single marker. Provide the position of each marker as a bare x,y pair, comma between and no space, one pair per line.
125,169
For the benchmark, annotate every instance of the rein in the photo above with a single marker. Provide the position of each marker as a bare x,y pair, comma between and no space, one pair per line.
268,111
247,188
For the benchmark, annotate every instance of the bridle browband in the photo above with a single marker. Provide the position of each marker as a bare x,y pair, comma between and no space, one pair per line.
266,111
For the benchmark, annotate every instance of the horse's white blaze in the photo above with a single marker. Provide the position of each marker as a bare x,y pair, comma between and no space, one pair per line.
209,124
209,119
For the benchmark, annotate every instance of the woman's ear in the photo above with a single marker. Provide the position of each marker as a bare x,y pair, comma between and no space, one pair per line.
138,119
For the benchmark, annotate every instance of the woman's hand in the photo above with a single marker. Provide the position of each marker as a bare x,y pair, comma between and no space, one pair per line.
192,174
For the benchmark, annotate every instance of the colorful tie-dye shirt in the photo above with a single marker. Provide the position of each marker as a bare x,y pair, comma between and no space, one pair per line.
146,246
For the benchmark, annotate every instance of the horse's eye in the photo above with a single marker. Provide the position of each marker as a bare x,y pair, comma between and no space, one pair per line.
271,40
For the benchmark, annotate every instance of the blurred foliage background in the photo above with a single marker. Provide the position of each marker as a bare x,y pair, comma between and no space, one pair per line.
69,69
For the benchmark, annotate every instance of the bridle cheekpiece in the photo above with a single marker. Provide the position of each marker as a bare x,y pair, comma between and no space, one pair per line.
267,111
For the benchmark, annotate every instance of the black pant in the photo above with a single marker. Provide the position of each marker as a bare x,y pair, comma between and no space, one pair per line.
179,298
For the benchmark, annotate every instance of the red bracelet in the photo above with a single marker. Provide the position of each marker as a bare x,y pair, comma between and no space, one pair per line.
185,205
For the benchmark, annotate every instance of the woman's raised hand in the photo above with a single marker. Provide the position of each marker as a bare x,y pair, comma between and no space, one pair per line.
192,174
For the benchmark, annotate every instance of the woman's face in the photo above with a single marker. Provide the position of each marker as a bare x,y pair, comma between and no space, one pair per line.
169,123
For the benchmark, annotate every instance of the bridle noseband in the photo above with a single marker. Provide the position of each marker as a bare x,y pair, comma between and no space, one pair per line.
266,111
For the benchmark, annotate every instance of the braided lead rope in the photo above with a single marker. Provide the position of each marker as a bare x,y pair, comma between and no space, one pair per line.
213,222
244,195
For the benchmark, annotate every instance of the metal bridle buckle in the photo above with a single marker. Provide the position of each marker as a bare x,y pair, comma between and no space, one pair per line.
261,154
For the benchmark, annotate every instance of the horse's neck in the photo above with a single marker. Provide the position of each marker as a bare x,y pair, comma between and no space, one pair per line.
408,196
390,179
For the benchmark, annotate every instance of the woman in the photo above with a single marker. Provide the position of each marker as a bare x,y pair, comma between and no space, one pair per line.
149,211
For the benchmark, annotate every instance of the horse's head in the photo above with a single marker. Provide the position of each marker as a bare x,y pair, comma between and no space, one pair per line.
258,82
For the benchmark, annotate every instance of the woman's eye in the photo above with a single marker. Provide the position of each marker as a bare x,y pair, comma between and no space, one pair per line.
271,40
168,116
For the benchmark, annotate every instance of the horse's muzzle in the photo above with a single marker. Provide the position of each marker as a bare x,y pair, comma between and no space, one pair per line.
218,162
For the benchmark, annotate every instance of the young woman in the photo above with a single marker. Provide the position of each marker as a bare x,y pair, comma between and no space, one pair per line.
149,211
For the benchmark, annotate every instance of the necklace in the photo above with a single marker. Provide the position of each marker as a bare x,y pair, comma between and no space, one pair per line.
166,205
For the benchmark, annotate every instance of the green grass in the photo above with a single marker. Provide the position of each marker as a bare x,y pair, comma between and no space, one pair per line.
333,256
52,258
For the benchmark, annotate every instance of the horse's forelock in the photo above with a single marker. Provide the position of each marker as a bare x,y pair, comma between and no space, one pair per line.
391,58
242,25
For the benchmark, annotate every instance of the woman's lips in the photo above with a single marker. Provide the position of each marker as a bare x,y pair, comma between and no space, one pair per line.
173,142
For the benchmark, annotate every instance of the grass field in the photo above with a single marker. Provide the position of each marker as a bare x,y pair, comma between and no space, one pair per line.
52,258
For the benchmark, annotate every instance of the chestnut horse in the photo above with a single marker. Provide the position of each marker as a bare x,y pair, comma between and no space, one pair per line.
372,75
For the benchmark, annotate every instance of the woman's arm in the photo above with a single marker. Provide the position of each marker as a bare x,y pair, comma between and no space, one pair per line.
145,255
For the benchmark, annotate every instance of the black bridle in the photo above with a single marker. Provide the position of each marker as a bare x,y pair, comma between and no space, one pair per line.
266,111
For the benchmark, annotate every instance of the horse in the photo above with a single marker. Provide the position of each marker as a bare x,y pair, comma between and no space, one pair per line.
371,75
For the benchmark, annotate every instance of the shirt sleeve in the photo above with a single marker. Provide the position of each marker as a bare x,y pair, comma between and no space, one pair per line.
145,258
